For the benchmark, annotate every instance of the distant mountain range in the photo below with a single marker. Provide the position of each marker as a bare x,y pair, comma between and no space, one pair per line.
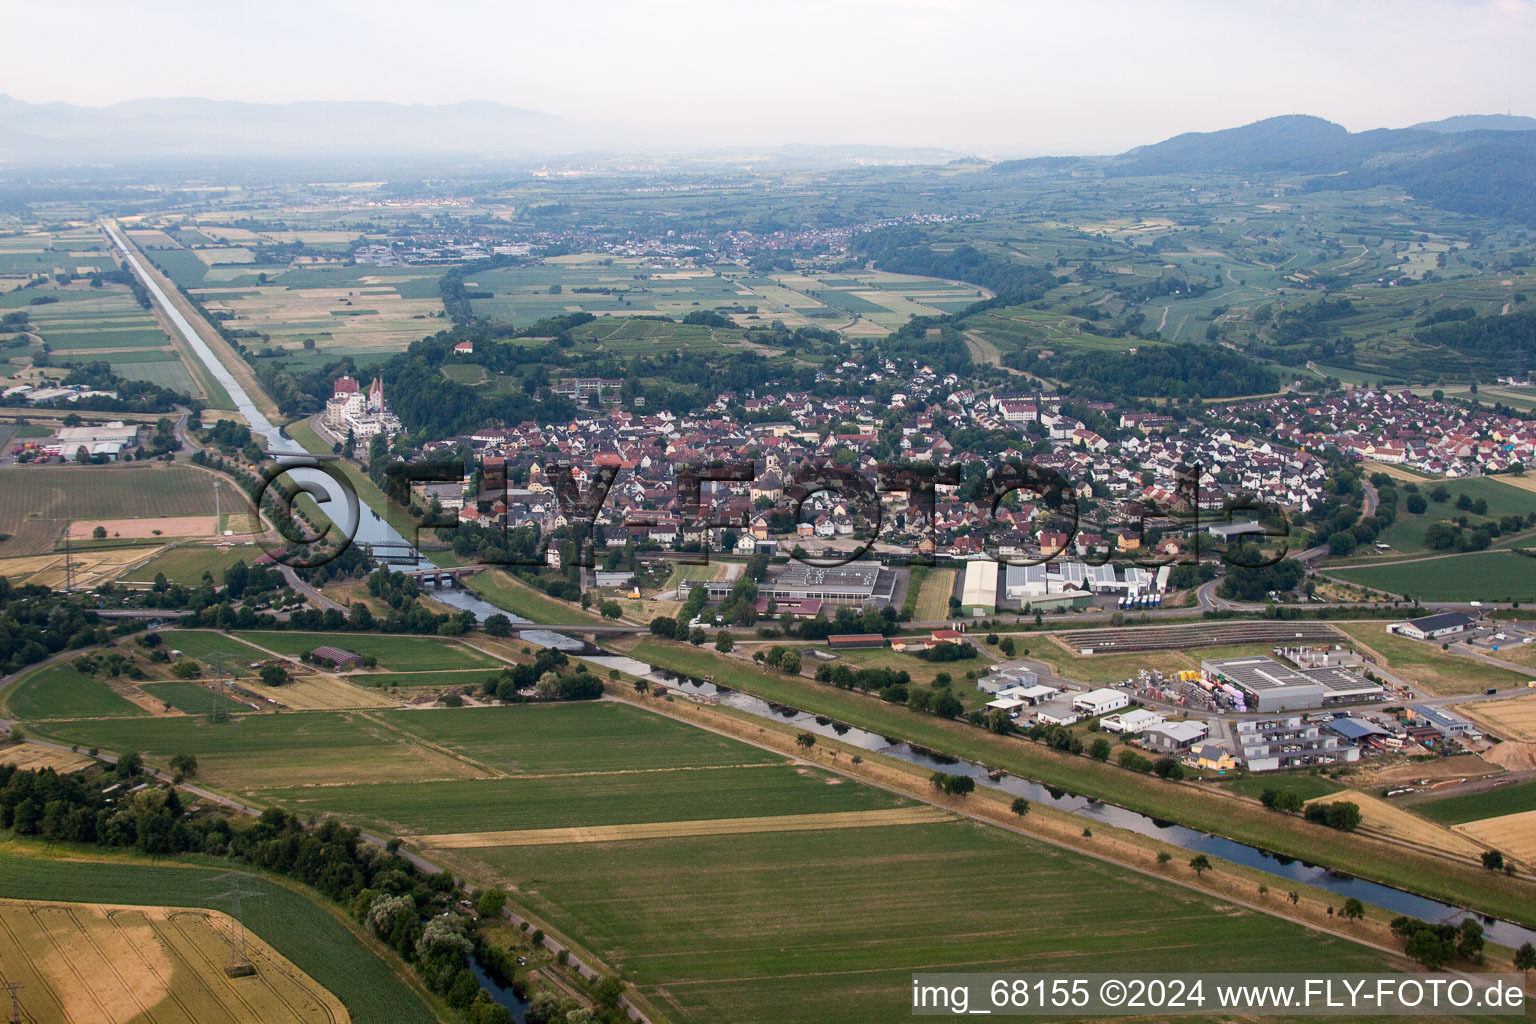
1476,164
37,133
194,127
1481,164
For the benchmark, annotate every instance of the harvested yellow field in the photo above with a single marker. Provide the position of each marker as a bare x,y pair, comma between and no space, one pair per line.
34,757
91,567
319,692
1399,824
1514,718
1514,834
676,829
142,527
82,963
933,599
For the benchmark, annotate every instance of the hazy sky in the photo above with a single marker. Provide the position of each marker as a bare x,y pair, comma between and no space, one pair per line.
1001,77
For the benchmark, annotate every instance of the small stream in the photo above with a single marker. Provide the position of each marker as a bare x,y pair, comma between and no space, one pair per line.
1388,898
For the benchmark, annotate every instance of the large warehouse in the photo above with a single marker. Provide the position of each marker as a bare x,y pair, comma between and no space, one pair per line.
854,585
1264,684
979,594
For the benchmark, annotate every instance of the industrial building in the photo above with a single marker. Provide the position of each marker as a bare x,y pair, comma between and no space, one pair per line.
1447,723
107,439
1100,702
854,585
1264,684
978,595
1173,737
1028,583
1130,722
1430,627
1291,741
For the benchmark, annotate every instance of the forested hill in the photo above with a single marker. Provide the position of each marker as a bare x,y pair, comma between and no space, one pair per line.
1484,166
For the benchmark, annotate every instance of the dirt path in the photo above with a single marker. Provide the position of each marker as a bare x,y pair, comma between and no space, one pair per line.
920,815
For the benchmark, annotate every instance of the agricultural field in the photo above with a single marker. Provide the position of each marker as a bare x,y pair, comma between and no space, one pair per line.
299,931
933,597
1198,809
1514,718
223,652
1513,834
776,912
1489,803
858,303
395,653
312,308
186,564
80,322
252,752
1424,663
92,566
58,691
1394,820
30,757
150,964
1474,576
189,698
37,501
317,691
537,802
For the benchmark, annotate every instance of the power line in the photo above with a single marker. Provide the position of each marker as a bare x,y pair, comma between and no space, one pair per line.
240,965
12,987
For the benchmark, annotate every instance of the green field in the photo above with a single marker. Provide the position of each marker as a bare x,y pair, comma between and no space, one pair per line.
517,597
1479,576
186,565
36,500
1454,810
799,927
58,691
310,934
566,801
188,697
218,649
255,753
1303,784
1196,808
400,653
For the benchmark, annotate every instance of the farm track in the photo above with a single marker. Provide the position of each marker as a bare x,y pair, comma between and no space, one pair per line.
681,829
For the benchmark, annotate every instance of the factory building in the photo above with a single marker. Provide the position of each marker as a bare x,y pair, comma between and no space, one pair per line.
1264,684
